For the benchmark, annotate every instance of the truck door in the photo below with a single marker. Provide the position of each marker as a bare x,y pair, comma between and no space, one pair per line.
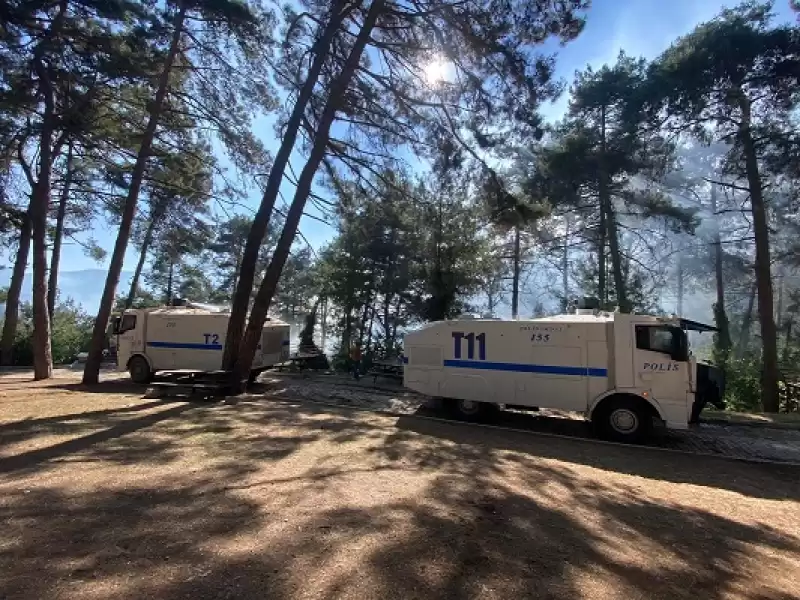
130,338
654,366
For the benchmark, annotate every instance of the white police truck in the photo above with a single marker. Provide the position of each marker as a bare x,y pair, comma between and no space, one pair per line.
178,338
625,372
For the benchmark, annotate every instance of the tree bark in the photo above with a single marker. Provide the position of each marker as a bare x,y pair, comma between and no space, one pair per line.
616,261
515,277
679,308
40,204
608,218
324,325
267,289
260,225
744,334
565,266
168,295
723,338
11,319
769,334
55,255
91,373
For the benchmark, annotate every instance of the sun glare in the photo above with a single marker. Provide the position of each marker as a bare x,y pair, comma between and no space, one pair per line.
435,71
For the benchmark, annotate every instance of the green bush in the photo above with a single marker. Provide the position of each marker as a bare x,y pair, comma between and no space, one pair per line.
743,385
71,333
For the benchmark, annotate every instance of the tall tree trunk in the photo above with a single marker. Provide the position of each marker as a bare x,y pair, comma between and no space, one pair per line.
396,321
247,268
168,295
369,329
769,334
324,325
679,274
266,291
723,336
61,214
565,266
348,330
602,279
515,279
387,301
148,239
616,260
11,319
39,207
747,320
91,372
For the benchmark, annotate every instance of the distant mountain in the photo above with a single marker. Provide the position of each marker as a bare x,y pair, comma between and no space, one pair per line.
84,287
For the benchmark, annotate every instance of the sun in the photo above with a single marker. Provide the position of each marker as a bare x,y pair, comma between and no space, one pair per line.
435,71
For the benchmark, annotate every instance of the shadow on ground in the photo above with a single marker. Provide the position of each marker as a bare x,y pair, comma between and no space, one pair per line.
208,501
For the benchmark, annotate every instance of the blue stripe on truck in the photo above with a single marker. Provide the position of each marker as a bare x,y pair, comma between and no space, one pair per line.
185,346
526,368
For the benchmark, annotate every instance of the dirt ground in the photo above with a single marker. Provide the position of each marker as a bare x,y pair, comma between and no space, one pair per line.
106,494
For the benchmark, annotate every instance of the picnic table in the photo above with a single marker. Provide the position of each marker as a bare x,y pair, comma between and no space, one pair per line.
299,361
391,369
206,384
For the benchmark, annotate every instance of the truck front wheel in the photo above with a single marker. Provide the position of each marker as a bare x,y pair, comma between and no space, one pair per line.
470,410
139,370
623,419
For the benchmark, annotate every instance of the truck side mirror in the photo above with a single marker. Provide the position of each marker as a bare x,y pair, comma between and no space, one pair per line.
115,326
679,351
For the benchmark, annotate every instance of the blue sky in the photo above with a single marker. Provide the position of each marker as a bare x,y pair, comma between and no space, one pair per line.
640,27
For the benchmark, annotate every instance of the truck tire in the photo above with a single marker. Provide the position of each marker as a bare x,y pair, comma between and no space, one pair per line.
624,419
139,370
254,374
469,410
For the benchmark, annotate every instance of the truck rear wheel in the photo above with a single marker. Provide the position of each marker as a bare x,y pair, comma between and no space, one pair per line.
470,410
139,370
623,419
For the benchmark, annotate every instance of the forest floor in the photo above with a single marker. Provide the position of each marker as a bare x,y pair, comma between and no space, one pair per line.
106,494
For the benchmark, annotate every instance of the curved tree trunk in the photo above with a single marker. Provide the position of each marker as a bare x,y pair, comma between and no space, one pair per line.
266,291
11,319
91,373
58,236
249,263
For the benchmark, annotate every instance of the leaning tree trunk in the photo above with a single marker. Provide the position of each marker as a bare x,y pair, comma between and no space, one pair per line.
769,334
267,289
58,235
260,225
11,319
91,372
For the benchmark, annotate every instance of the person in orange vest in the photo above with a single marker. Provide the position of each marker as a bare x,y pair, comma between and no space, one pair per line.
355,360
